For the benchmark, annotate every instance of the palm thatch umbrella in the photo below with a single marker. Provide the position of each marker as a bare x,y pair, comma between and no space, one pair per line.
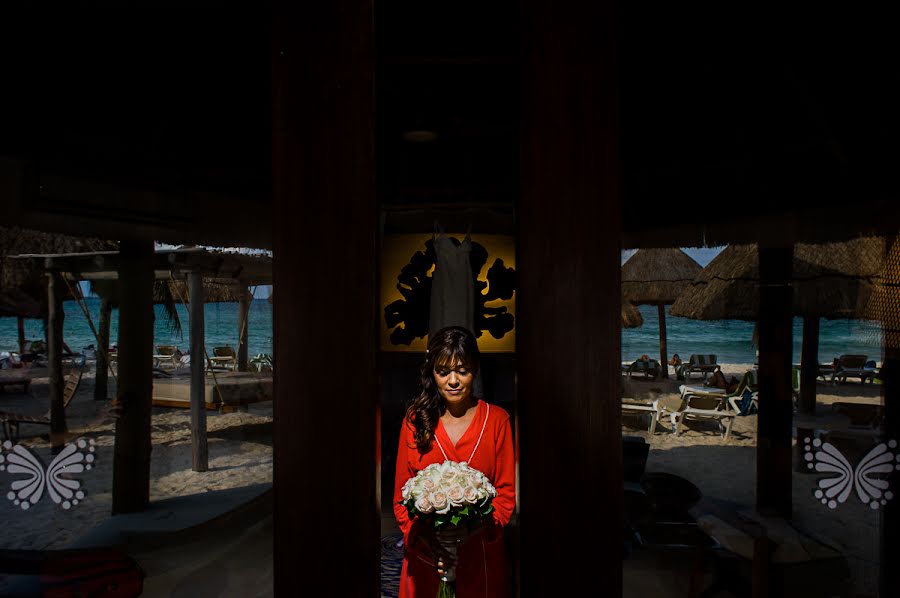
657,277
833,280
23,283
631,317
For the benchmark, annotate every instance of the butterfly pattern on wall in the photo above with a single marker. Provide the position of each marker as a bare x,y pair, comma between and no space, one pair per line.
25,492
871,489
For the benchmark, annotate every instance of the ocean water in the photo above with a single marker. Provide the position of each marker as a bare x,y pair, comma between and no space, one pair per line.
730,340
221,320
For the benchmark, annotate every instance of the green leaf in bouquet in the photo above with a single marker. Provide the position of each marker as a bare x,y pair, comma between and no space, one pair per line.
465,511
455,519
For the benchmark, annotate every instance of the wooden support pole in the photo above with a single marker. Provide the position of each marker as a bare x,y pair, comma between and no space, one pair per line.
20,324
134,385
243,329
773,460
323,180
568,311
101,381
663,350
55,318
199,449
889,573
809,364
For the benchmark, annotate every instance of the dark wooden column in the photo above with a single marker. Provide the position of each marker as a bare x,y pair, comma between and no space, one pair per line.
134,384
569,300
243,328
809,364
20,325
773,458
199,449
325,318
101,381
55,318
890,373
663,350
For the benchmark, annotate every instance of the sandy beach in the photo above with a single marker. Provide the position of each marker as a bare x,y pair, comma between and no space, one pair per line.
725,470
240,454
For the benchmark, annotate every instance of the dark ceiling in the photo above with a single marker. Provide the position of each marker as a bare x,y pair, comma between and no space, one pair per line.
723,120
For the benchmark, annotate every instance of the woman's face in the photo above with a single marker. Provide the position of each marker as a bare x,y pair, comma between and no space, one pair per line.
454,382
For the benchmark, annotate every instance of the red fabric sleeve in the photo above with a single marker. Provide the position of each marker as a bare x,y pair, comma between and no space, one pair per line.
403,473
505,482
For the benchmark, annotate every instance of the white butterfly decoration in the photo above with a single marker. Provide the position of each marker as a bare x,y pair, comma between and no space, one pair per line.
74,458
825,458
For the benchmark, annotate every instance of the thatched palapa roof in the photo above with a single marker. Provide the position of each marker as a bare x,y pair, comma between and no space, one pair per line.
833,280
631,317
654,276
25,278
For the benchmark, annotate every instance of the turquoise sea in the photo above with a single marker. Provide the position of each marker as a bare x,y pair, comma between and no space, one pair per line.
730,340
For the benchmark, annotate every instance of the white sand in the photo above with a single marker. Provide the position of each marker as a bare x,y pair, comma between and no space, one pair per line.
726,470
240,454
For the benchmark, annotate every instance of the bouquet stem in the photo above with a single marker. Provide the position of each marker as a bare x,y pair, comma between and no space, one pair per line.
447,586
447,589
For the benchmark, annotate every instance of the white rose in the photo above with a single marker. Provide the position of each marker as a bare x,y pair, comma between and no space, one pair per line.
455,496
429,485
407,488
470,495
440,502
424,505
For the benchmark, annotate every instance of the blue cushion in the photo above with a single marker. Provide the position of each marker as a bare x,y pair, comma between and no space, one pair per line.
745,404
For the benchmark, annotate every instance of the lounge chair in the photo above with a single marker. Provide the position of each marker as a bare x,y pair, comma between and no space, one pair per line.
167,355
648,368
852,366
11,421
224,357
632,407
697,364
697,406
747,381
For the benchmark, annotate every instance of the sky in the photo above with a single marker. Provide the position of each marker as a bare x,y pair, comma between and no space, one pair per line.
702,255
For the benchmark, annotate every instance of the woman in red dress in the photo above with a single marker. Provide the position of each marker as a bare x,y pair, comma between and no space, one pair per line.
445,421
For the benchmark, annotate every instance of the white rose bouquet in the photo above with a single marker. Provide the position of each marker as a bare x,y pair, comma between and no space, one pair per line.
448,494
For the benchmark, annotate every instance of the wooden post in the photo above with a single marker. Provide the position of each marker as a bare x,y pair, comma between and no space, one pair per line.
101,381
243,329
773,460
663,350
199,449
889,573
20,324
809,365
568,311
55,318
323,180
134,384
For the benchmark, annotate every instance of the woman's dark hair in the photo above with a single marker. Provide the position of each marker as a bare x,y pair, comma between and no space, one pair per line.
451,346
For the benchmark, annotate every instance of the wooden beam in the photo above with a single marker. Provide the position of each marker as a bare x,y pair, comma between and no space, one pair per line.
809,365
56,290
243,328
20,327
101,380
199,449
324,194
663,350
773,460
568,311
889,573
134,386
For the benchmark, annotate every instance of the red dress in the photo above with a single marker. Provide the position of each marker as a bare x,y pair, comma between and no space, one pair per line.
481,569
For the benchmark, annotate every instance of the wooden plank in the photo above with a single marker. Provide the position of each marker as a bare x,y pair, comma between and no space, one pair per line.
20,327
134,386
568,310
773,459
324,217
663,350
889,573
101,381
243,329
199,449
55,317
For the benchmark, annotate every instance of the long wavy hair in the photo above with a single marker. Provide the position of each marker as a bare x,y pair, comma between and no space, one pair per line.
452,346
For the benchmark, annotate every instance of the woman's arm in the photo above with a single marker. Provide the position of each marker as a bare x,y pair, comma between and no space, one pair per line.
505,481
402,474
